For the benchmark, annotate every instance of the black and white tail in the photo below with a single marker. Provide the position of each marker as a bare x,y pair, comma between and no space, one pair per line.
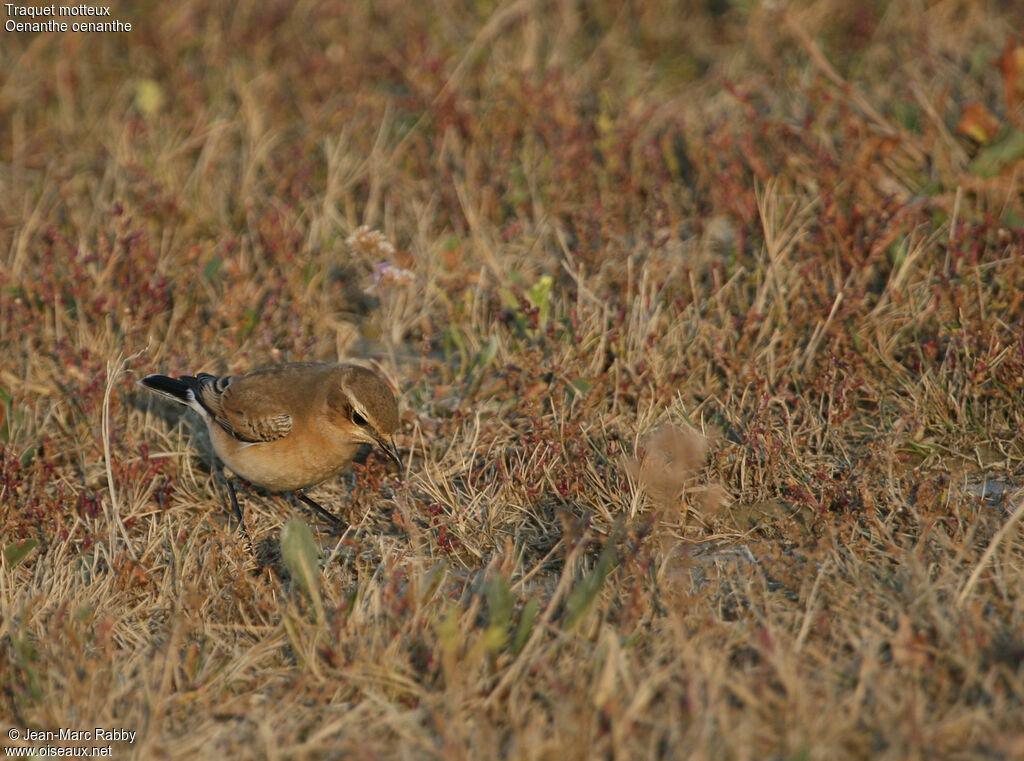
188,390
178,390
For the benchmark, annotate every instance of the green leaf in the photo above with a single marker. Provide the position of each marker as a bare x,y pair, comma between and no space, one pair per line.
433,578
581,599
16,552
211,271
7,401
454,343
25,657
1005,149
540,297
499,611
526,621
301,557
487,354
581,386
249,319
447,630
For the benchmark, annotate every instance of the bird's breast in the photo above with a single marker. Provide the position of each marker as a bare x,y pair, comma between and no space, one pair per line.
285,464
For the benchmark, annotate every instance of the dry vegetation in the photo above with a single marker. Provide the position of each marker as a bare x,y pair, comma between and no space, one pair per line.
709,328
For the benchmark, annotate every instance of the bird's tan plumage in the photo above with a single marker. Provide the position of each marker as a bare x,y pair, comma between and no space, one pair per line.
291,426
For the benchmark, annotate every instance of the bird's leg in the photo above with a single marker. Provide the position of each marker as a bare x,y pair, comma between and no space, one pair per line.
238,512
334,519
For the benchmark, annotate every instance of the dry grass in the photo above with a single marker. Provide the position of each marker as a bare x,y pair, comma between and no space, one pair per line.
710,337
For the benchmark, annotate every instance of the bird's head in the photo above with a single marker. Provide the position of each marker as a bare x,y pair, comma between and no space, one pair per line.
365,407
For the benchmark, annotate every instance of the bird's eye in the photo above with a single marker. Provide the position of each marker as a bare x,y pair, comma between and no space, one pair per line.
358,419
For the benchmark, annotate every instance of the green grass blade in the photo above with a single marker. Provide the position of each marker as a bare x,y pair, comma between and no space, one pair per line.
301,558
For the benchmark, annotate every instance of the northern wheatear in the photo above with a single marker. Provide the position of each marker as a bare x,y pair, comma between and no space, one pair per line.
291,426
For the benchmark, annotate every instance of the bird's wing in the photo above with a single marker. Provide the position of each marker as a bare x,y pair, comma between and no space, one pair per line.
244,410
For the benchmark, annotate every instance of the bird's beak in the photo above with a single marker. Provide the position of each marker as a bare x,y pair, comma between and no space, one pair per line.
388,445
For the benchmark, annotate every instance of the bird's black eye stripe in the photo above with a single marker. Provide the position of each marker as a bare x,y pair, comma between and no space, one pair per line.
358,419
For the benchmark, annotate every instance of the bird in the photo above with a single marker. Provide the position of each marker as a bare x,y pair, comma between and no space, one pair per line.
290,426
